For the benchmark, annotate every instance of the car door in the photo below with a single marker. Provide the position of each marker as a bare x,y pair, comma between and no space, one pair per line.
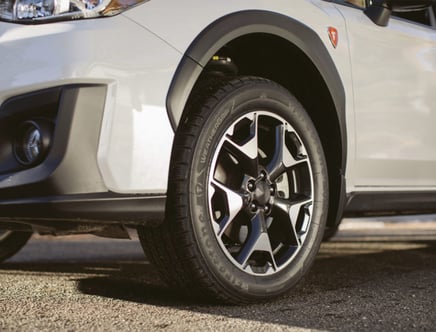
394,84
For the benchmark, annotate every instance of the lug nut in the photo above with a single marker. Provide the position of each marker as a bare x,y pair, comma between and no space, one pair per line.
267,209
263,175
251,186
253,207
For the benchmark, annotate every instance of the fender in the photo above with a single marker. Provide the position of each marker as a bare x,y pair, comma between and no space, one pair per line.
234,25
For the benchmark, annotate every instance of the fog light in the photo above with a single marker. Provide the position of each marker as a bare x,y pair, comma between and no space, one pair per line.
33,141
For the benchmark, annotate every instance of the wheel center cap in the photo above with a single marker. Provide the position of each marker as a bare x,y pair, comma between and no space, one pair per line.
262,193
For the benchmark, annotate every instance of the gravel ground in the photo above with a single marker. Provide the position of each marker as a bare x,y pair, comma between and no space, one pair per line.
368,278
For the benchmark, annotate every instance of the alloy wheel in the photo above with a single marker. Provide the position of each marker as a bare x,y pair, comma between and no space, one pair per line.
261,193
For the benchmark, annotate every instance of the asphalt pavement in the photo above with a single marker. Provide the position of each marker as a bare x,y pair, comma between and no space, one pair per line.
372,276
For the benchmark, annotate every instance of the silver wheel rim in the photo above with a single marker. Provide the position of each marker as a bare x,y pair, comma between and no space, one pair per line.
260,193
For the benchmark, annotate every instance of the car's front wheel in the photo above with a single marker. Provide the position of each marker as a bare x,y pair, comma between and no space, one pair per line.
11,242
247,196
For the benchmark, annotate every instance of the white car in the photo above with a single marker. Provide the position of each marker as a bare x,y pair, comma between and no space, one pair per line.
229,133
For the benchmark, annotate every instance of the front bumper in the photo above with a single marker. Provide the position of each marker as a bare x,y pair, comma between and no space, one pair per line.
104,83
112,77
71,164
67,185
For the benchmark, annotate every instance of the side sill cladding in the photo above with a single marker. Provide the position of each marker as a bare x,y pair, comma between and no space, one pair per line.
362,204
87,209
238,24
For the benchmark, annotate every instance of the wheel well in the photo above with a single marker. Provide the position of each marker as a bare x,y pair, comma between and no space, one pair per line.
277,59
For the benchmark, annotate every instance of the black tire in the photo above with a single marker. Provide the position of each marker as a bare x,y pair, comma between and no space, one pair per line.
261,243
11,242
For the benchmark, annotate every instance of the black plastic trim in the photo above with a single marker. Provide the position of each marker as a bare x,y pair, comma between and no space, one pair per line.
335,215
103,208
232,26
379,13
71,164
360,204
184,79
42,105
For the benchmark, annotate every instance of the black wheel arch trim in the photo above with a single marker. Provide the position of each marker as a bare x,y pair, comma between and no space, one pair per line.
238,24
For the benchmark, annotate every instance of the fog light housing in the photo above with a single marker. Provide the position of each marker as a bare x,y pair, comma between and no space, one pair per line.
33,141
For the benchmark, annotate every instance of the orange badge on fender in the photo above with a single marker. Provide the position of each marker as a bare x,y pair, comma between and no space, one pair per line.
334,36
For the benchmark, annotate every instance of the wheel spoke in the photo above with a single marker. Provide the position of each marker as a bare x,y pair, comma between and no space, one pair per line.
292,211
260,193
246,153
282,158
234,205
258,240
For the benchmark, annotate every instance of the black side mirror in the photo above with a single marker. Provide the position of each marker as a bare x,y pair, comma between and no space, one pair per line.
380,10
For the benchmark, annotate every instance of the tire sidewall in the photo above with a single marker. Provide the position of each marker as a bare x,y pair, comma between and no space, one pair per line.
221,113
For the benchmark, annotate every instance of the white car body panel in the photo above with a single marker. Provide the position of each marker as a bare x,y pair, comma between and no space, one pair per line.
395,112
180,26
139,75
182,33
